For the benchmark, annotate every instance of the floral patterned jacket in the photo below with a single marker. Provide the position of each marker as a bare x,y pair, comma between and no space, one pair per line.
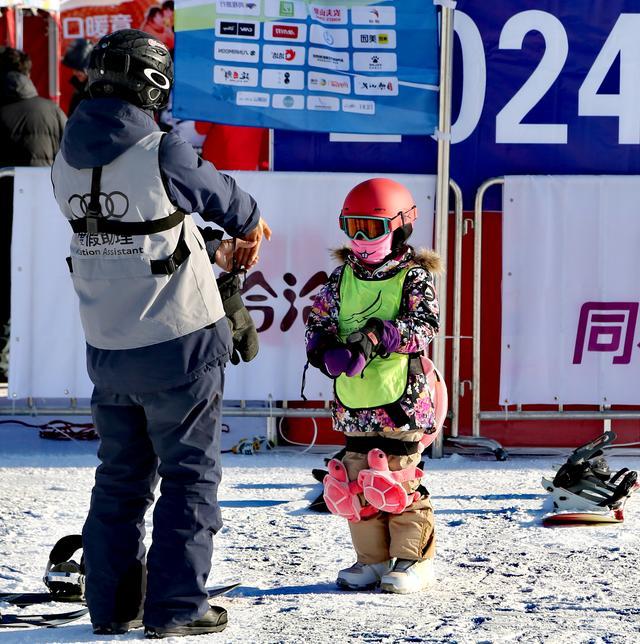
417,322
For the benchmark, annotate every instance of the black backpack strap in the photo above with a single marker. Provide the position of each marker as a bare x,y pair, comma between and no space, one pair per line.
126,227
171,264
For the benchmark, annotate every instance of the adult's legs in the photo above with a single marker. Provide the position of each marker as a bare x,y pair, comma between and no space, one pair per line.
184,425
114,530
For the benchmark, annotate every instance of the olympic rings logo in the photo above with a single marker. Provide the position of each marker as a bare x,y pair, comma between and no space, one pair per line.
113,205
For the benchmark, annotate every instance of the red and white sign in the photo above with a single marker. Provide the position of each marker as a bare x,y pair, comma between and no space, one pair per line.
571,294
285,31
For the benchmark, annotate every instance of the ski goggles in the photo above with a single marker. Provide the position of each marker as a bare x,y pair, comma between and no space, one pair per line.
370,228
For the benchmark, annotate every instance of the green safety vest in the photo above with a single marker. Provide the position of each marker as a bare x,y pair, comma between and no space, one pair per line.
384,380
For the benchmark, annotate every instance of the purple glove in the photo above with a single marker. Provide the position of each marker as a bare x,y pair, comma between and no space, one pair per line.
390,337
343,360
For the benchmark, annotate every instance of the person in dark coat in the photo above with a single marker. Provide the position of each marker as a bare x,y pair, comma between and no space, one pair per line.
30,132
76,58
157,338
30,126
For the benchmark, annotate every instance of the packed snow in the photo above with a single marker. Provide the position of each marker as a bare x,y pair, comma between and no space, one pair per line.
501,576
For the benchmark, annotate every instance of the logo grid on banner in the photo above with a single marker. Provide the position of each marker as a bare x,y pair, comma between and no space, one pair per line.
386,51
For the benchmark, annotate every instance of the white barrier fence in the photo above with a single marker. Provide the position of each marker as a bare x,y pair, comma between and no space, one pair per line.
47,354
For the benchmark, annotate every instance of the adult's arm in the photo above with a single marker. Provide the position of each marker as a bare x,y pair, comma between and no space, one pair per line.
194,185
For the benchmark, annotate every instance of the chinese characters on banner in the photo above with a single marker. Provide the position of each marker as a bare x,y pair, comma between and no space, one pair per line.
93,19
302,209
363,67
570,332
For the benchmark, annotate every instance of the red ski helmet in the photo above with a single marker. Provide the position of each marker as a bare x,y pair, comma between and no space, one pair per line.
375,208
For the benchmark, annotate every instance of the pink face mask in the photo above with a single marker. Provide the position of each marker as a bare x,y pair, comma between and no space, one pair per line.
372,252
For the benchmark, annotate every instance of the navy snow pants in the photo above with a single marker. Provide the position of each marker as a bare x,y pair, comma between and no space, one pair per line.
173,435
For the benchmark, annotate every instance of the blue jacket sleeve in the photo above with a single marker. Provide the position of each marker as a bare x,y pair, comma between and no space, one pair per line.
194,185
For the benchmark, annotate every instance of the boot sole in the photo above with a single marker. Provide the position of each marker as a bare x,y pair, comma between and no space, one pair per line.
343,585
183,631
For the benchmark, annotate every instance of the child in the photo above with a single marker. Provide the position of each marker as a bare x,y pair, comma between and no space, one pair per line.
368,329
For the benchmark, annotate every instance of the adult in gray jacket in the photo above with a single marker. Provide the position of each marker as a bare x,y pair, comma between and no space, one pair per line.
157,338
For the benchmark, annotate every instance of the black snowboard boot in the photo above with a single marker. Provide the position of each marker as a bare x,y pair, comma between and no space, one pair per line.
116,628
213,621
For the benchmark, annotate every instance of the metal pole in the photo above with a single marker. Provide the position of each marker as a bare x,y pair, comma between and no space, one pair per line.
454,395
19,28
477,300
604,415
442,186
54,46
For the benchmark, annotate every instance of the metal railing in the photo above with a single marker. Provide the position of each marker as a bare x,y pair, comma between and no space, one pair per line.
604,414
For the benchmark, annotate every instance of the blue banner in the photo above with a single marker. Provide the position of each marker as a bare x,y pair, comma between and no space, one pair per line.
352,66
547,87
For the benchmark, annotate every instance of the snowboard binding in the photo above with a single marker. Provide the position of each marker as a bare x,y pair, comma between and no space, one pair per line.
63,576
584,489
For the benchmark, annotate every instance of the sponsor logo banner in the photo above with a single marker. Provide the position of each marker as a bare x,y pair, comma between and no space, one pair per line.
373,15
288,101
285,31
336,38
223,75
376,86
358,107
253,99
375,62
283,55
387,54
282,79
319,82
328,59
236,52
239,7
373,38
233,29
285,9
329,15
323,103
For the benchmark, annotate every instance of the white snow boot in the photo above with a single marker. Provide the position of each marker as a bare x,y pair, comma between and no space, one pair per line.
362,576
408,576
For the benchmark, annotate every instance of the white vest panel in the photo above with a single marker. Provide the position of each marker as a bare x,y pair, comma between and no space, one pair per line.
123,305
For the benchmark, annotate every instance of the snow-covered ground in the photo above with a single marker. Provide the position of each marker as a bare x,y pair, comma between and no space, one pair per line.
501,576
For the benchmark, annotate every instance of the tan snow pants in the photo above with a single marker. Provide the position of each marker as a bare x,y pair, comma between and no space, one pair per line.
409,535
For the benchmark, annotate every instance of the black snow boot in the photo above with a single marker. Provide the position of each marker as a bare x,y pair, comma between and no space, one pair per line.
116,628
213,621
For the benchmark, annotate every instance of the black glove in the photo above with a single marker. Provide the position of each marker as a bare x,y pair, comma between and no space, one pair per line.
245,336
367,339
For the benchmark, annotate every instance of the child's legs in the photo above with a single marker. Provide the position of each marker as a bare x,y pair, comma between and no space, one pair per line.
390,535
370,539
412,534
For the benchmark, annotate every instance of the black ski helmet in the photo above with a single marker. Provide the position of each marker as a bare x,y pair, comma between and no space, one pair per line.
132,65
78,54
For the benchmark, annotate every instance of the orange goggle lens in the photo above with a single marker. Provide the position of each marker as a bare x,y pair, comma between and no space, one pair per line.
367,227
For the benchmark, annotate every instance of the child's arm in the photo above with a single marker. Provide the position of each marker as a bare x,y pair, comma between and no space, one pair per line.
322,324
419,318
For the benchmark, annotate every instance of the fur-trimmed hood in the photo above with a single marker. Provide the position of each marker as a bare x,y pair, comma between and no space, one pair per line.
427,259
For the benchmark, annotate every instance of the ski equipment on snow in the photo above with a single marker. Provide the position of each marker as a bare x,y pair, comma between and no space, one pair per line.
30,599
584,489
46,620
63,576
